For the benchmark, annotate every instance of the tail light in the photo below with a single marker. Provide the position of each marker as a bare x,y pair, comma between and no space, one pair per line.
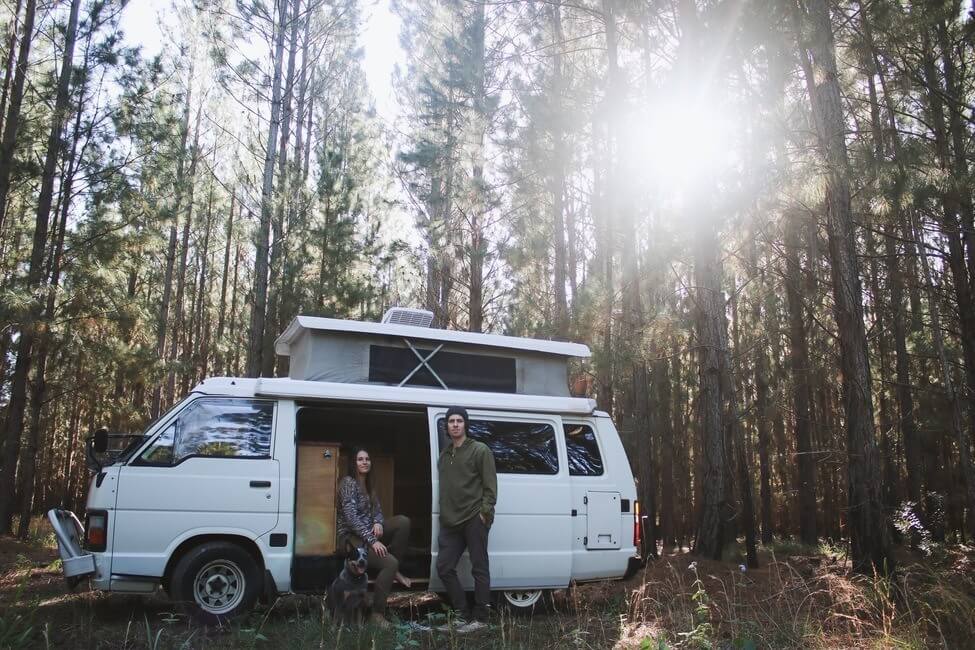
96,530
637,528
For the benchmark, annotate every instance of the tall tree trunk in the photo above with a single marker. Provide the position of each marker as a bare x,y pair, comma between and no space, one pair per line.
735,439
762,421
162,321
277,276
220,356
869,536
905,399
181,332
799,363
711,529
201,337
235,367
956,214
879,327
27,476
960,432
11,124
14,425
665,434
255,346
478,240
8,67
892,263
557,178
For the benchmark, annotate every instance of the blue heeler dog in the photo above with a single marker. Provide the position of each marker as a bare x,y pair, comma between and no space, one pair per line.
347,596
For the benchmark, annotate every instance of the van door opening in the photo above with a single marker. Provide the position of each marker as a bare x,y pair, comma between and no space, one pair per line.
397,439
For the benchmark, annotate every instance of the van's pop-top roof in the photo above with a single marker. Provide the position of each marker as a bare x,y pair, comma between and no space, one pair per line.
389,353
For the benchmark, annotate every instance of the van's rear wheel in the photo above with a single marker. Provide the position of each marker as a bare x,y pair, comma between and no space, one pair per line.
218,580
523,601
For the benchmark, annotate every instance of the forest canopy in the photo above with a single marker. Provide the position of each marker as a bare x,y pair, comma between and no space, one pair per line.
758,214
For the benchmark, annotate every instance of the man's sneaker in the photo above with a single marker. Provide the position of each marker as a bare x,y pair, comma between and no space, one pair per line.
472,626
480,613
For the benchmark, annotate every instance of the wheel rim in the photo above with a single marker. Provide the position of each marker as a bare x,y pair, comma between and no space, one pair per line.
523,597
219,587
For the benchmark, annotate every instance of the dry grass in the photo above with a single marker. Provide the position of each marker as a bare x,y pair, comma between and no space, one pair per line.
806,601
803,600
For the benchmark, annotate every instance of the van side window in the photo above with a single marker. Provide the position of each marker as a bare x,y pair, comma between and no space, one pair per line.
225,428
518,447
160,452
583,450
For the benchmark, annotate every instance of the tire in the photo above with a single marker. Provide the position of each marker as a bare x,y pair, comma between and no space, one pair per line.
523,602
216,581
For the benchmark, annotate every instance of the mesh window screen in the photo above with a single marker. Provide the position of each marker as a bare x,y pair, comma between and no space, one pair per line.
391,365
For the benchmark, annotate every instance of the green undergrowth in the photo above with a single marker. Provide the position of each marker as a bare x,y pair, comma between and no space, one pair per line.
100,621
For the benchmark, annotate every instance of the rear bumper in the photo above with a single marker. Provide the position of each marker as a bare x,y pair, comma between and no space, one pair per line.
75,561
633,565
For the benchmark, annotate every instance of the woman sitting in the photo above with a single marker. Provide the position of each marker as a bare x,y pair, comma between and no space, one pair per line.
360,521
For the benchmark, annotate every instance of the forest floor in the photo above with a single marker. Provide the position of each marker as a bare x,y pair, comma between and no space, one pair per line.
799,598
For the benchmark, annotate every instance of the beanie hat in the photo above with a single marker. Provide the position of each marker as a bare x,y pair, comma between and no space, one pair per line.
458,410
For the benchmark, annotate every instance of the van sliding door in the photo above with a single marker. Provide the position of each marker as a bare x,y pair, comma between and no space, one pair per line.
530,543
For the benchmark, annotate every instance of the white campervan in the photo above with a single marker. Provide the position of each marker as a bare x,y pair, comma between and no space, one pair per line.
231,494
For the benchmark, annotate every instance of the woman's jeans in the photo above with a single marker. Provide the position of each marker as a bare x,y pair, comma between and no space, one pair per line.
396,533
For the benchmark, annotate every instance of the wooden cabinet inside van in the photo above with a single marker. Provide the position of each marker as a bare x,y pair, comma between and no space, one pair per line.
321,465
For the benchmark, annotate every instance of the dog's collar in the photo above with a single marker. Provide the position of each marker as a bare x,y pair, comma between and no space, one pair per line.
352,578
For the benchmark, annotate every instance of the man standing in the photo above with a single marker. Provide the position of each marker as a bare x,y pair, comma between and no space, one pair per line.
468,492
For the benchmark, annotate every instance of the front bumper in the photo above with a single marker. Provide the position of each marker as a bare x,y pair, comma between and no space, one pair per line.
75,561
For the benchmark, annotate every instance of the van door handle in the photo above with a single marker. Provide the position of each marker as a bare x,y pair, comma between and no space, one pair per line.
261,484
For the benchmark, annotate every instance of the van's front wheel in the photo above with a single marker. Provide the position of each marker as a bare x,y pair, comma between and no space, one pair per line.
219,580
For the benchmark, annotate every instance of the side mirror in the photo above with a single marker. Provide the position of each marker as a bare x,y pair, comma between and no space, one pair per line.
100,440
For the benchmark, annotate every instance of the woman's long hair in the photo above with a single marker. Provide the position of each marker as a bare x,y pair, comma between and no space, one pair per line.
354,471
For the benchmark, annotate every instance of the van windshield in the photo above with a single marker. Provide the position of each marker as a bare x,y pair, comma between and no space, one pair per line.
133,443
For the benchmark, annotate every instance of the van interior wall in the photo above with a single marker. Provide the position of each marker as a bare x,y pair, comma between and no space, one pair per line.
398,441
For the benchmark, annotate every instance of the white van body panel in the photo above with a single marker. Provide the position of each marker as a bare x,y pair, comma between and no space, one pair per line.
302,389
277,559
529,544
161,506
599,498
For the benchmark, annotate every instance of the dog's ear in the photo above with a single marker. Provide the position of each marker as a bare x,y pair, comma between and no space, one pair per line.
349,548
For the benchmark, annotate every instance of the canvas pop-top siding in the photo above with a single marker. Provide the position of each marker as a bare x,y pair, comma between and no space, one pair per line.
330,350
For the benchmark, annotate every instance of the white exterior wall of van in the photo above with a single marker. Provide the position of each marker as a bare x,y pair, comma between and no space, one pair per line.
619,466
